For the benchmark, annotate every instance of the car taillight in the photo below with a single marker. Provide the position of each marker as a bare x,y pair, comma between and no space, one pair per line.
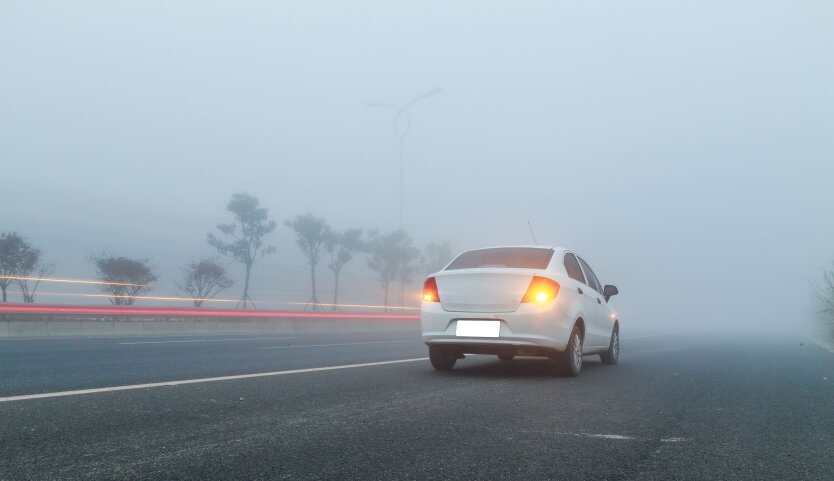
430,293
541,289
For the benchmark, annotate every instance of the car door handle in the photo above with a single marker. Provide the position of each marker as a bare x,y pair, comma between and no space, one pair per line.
580,290
599,301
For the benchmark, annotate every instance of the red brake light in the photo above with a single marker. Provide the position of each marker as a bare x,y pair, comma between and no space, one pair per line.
541,290
430,293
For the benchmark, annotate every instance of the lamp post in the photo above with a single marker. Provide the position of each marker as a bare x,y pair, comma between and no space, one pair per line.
402,126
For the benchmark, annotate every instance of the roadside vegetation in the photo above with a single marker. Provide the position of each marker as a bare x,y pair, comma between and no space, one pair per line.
342,246
392,256
204,279
123,278
243,239
21,266
311,236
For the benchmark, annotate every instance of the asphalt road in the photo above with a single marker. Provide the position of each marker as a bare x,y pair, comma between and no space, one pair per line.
708,406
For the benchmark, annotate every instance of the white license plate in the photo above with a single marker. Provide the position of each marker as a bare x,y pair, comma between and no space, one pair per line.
478,328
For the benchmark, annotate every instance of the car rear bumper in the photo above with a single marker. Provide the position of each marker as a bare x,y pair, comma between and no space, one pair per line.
531,329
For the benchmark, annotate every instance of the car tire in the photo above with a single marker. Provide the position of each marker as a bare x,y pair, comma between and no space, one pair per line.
442,358
506,357
569,362
612,355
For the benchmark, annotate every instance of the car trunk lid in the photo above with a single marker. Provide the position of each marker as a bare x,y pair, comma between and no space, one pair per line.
483,290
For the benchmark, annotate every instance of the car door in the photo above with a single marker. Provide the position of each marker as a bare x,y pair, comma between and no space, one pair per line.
586,294
598,334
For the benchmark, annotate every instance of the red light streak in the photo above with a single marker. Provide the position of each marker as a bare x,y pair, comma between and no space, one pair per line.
191,312
212,299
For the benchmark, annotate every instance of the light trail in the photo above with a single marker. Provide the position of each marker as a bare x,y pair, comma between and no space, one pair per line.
71,281
189,312
192,299
370,306
121,296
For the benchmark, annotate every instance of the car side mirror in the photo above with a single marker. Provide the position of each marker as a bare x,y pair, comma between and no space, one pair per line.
609,291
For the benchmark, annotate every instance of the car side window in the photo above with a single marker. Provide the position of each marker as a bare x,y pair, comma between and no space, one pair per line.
572,266
592,278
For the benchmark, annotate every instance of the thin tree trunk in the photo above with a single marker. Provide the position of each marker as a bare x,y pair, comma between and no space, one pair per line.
31,294
402,295
336,290
386,297
246,286
3,288
314,299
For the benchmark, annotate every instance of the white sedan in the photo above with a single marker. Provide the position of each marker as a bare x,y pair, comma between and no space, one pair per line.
519,301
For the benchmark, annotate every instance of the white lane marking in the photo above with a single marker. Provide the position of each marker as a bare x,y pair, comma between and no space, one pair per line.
207,340
201,380
617,437
620,437
608,436
328,345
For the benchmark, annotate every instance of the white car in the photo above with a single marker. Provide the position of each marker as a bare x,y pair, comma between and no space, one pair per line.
519,301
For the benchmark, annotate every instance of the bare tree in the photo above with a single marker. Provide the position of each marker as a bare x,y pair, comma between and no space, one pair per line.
204,279
311,235
246,233
18,258
342,246
125,278
435,256
28,290
389,256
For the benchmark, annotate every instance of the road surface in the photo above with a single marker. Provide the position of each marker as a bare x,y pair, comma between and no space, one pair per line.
704,406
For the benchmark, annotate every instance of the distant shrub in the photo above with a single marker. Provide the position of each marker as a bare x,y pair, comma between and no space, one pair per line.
125,279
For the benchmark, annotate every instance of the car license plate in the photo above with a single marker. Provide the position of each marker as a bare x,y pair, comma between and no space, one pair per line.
478,328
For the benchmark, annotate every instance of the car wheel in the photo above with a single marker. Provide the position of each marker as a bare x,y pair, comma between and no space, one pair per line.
442,358
612,355
506,357
569,362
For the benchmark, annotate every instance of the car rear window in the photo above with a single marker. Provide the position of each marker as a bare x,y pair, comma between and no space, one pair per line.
506,257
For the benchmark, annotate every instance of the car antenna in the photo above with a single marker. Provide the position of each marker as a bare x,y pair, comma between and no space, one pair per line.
532,233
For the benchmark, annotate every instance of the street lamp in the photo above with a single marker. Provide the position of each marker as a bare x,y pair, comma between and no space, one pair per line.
402,126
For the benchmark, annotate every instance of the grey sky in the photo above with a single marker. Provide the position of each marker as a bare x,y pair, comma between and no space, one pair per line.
685,148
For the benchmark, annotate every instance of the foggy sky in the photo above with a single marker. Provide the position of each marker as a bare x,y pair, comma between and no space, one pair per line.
685,149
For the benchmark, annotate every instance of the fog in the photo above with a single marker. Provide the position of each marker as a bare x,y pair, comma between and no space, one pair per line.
685,149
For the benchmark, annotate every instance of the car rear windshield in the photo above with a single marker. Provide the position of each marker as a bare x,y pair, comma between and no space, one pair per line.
507,257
